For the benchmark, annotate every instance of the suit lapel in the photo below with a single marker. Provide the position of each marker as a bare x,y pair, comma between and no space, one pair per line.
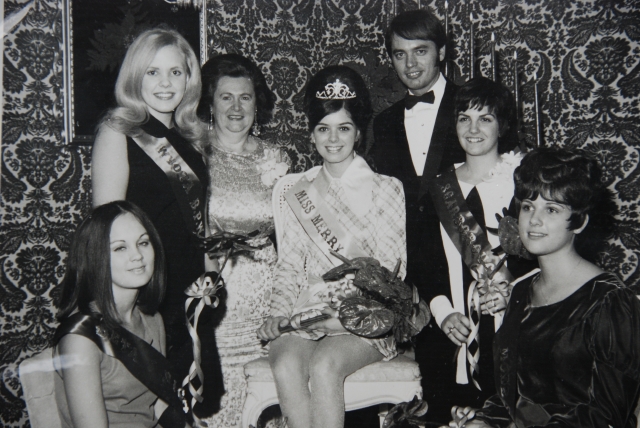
438,140
405,163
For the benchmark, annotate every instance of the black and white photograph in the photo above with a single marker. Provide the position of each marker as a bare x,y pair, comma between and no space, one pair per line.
320,214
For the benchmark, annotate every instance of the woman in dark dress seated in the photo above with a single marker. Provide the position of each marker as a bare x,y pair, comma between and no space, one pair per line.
568,352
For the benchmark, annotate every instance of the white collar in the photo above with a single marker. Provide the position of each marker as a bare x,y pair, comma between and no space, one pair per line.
438,92
357,182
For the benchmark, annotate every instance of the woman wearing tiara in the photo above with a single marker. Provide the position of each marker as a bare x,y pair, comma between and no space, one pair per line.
360,207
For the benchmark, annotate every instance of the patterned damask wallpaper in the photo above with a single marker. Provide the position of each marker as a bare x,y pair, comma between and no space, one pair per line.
586,53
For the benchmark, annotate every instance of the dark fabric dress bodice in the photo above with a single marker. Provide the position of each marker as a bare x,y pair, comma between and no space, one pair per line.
576,361
149,188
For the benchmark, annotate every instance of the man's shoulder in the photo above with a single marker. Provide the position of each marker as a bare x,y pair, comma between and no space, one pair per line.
393,110
450,89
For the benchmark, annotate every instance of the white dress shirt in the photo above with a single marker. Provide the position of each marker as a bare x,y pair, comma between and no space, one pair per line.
495,193
419,123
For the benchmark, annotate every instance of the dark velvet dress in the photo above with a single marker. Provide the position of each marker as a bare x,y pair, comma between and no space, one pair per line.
574,363
150,189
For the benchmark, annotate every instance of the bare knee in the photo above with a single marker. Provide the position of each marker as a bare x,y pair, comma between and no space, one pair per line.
287,363
338,357
325,368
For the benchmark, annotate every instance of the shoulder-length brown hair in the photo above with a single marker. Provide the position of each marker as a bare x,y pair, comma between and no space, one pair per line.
87,284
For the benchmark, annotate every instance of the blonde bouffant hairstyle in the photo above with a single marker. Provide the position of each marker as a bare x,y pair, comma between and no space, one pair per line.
132,111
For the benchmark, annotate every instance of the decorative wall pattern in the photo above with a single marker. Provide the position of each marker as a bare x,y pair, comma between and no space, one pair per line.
293,40
45,192
587,54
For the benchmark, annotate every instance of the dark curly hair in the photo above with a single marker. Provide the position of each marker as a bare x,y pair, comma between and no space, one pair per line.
359,108
482,92
235,65
572,178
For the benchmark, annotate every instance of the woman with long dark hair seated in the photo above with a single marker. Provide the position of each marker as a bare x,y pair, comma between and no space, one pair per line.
568,351
110,344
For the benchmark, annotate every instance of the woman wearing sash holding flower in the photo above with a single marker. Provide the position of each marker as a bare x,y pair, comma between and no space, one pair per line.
144,153
342,206
467,305
568,352
243,168
110,345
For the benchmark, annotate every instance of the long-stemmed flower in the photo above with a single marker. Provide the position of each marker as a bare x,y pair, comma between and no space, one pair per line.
227,244
204,290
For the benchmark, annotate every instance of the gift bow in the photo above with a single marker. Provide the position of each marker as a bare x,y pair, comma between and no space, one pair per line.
204,288
491,280
487,279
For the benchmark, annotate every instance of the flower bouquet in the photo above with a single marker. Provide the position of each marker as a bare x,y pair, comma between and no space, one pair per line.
510,242
491,284
319,295
384,303
227,244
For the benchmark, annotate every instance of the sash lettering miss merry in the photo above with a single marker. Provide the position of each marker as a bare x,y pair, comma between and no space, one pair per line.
309,212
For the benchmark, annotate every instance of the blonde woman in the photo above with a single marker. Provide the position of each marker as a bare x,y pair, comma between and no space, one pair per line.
145,153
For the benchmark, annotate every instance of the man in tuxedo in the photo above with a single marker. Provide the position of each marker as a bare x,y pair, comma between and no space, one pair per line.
414,140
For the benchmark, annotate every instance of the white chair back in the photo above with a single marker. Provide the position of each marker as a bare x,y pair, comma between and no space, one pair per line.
37,379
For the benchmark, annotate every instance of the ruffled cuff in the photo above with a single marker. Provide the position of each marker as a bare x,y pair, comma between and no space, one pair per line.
441,308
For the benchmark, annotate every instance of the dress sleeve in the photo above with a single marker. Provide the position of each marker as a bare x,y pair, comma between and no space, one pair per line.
289,272
612,334
615,333
494,413
392,235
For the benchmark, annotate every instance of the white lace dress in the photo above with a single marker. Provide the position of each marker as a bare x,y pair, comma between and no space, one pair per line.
239,201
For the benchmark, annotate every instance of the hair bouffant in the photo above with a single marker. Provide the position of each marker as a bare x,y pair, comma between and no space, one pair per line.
416,25
87,284
359,108
482,92
235,65
132,111
572,178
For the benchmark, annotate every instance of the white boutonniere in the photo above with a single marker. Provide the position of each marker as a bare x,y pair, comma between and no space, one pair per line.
272,166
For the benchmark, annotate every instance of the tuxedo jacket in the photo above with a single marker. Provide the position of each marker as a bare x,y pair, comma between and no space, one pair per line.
391,156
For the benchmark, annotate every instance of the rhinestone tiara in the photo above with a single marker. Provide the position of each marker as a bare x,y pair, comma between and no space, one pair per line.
335,91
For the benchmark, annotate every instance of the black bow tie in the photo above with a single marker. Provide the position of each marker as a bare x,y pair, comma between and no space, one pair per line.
411,100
